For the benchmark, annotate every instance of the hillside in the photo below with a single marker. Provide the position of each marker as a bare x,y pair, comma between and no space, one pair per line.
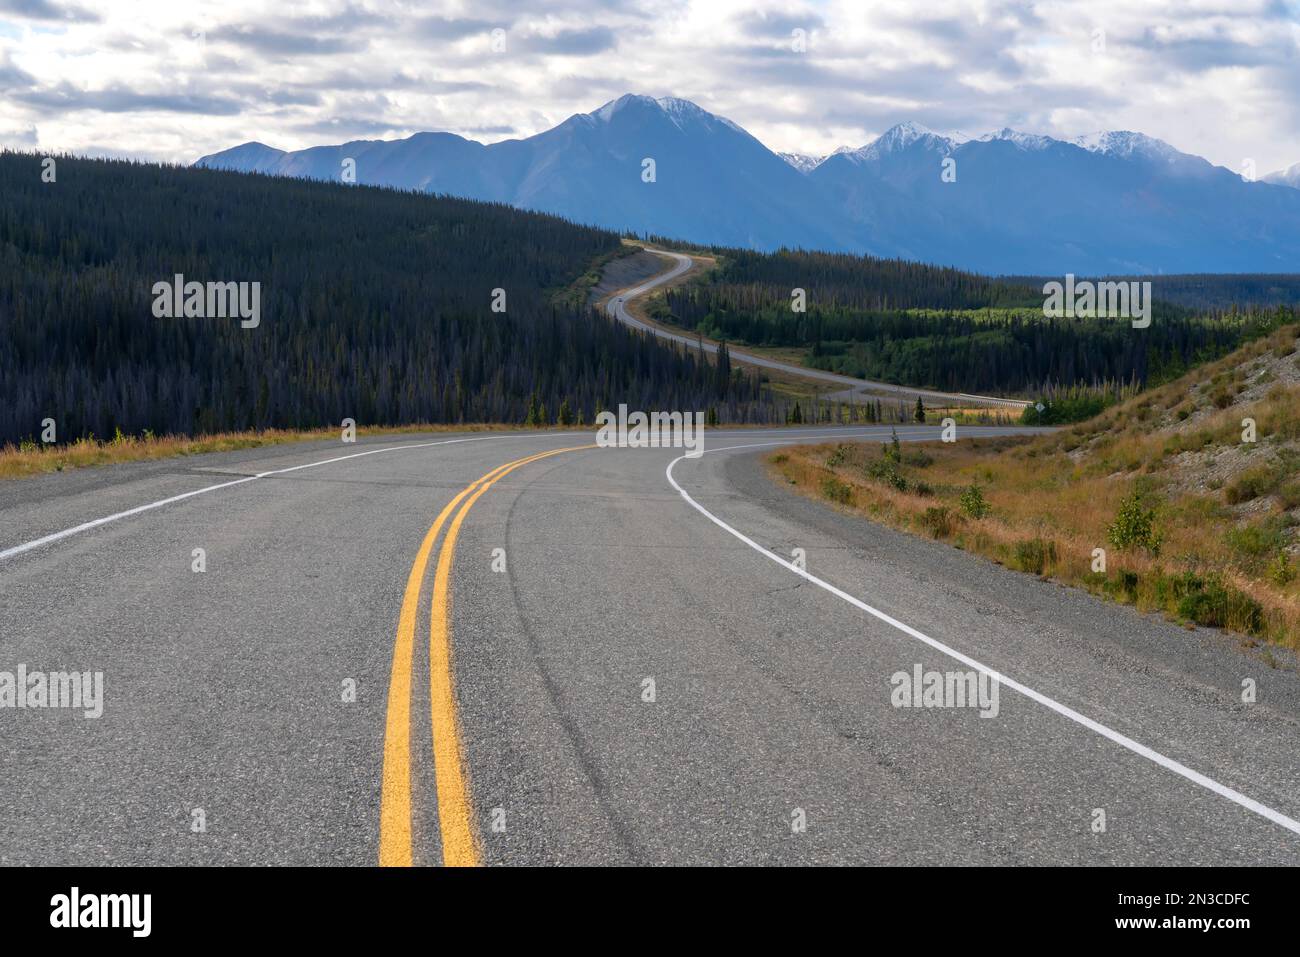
374,304
1196,522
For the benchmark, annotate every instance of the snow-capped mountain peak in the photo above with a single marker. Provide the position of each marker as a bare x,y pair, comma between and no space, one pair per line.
803,162
677,107
1125,144
899,137
1129,213
1285,177
904,135
1026,141
680,112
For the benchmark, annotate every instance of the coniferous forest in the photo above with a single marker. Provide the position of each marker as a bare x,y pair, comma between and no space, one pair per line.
946,329
375,305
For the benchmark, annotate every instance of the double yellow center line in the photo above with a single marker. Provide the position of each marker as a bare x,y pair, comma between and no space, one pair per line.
459,842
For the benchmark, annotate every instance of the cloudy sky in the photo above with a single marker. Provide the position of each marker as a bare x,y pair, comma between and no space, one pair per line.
174,79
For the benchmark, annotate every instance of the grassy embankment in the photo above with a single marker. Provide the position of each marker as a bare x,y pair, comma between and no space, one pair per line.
1195,522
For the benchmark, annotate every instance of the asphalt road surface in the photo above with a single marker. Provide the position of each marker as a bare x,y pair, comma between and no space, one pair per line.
643,673
854,389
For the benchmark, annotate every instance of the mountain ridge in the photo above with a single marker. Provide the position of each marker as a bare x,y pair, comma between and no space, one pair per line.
1005,202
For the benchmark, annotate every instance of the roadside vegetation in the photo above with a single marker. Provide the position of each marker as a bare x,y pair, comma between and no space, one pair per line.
34,458
1162,501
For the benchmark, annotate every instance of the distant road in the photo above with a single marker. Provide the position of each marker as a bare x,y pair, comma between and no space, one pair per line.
617,308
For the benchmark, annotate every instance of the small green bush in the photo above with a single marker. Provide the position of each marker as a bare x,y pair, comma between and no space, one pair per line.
1251,484
1253,543
1281,571
885,469
1289,496
892,450
837,491
1134,526
1209,601
972,502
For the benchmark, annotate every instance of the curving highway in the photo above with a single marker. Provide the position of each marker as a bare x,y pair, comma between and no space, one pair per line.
856,389
522,649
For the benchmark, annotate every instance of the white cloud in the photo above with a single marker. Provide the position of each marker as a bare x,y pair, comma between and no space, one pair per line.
173,79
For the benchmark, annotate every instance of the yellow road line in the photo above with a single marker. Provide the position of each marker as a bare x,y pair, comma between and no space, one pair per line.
395,792
395,848
459,837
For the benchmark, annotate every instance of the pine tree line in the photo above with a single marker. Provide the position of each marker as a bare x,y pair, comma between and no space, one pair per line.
375,305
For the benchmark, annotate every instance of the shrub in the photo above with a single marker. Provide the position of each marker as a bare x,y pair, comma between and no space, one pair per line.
972,502
885,469
893,451
837,491
1280,571
1254,542
1134,526
1251,484
1033,555
1123,587
1208,601
939,521
1289,495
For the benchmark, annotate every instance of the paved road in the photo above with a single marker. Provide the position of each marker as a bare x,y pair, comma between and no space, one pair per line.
771,683
856,389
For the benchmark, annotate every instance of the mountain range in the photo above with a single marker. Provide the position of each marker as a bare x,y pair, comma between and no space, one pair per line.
1007,202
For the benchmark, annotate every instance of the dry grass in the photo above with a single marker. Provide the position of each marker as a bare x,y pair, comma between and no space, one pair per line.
36,459
1225,512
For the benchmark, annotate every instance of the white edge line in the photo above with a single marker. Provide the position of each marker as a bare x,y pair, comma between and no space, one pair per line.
95,523
1170,764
